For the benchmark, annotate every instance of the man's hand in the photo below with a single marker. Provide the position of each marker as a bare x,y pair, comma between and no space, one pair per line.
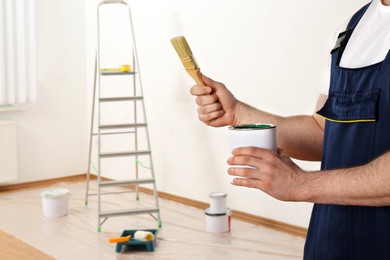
216,104
275,174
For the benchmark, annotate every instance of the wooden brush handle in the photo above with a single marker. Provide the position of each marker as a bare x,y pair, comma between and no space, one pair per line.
195,74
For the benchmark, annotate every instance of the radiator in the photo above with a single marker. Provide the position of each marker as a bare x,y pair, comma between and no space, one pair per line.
8,151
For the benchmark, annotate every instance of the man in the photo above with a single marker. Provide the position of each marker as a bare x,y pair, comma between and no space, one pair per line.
349,133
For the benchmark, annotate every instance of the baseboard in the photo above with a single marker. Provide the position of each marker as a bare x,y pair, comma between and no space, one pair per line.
42,183
239,215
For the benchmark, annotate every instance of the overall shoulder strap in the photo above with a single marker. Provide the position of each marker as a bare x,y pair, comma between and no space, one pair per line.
357,16
343,37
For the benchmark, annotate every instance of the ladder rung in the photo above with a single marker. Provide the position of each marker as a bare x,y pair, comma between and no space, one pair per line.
114,99
126,182
115,73
112,2
121,154
118,126
115,133
112,192
117,213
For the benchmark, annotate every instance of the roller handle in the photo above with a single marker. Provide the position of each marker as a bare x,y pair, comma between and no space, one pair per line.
119,239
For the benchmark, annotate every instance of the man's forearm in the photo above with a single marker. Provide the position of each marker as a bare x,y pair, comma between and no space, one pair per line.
300,136
366,185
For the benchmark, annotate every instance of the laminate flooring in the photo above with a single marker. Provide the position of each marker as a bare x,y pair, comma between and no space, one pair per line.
183,234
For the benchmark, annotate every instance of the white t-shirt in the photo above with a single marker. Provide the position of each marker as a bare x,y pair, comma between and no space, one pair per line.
370,41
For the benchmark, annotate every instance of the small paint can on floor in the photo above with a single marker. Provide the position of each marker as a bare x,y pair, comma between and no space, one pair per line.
55,202
218,202
218,222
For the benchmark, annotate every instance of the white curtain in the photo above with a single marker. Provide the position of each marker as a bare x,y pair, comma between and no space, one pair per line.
17,52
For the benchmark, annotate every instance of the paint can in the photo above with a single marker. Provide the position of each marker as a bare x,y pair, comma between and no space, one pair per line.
218,222
218,202
55,202
125,68
258,135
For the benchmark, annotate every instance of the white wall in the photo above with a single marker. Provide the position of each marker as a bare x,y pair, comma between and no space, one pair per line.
271,54
52,133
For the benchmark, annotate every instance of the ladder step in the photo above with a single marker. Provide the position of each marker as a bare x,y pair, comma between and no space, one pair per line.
112,2
121,154
113,99
116,72
126,182
119,126
115,133
117,213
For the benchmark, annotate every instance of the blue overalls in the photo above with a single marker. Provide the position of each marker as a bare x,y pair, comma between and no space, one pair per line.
357,130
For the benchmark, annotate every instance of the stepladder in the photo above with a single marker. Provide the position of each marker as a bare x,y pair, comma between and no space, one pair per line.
120,151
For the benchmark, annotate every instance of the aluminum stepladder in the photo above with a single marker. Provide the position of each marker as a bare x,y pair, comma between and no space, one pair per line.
129,132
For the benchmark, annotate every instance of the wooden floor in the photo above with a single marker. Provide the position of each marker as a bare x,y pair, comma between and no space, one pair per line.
12,248
183,234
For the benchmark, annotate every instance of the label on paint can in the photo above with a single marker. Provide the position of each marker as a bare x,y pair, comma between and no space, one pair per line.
218,222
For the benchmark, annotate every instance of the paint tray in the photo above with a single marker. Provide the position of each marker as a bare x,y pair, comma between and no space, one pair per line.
135,245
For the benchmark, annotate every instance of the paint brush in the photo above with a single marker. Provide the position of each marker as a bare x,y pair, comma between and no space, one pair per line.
187,58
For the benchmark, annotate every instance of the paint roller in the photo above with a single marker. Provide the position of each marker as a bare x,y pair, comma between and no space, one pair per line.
139,235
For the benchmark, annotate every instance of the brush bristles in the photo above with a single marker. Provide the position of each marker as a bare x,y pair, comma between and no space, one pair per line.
181,46
187,58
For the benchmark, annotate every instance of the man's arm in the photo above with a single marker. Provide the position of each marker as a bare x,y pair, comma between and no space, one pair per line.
366,185
278,176
300,137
